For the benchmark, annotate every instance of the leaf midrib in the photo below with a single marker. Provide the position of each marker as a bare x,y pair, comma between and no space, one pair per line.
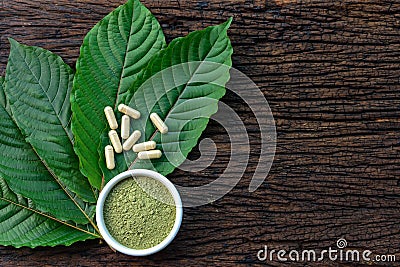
179,97
125,56
50,217
62,186
43,89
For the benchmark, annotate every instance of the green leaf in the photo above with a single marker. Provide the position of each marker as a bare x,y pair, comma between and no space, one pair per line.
112,55
182,84
27,174
21,224
38,86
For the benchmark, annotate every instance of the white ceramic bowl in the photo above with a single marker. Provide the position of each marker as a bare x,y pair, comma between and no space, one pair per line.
100,219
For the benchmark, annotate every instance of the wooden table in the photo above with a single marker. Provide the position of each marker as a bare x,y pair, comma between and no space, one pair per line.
330,72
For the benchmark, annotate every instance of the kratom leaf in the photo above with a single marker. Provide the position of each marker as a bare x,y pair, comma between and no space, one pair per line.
27,174
21,224
182,84
38,86
112,55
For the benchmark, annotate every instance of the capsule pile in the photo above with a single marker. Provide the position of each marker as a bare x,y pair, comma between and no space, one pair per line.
145,150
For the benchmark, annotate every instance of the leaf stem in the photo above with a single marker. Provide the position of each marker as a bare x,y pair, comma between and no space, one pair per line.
67,193
52,218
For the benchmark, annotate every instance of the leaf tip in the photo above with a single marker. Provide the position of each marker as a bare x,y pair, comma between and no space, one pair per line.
14,45
13,42
227,23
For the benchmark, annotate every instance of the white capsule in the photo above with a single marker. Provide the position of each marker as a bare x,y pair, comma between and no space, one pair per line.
132,140
161,126
110,116
151,154
144,146
109,154
129,111
125,124
115,141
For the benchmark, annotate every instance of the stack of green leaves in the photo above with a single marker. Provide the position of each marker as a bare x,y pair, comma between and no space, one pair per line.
52,126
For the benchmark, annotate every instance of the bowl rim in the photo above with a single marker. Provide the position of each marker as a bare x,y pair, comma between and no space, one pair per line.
100,219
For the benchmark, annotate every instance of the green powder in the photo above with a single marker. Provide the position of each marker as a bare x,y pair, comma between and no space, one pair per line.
139,212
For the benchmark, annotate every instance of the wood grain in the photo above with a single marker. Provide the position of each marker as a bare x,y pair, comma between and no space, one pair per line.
330,72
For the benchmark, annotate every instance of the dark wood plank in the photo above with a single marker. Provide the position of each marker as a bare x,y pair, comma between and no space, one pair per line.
330,71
